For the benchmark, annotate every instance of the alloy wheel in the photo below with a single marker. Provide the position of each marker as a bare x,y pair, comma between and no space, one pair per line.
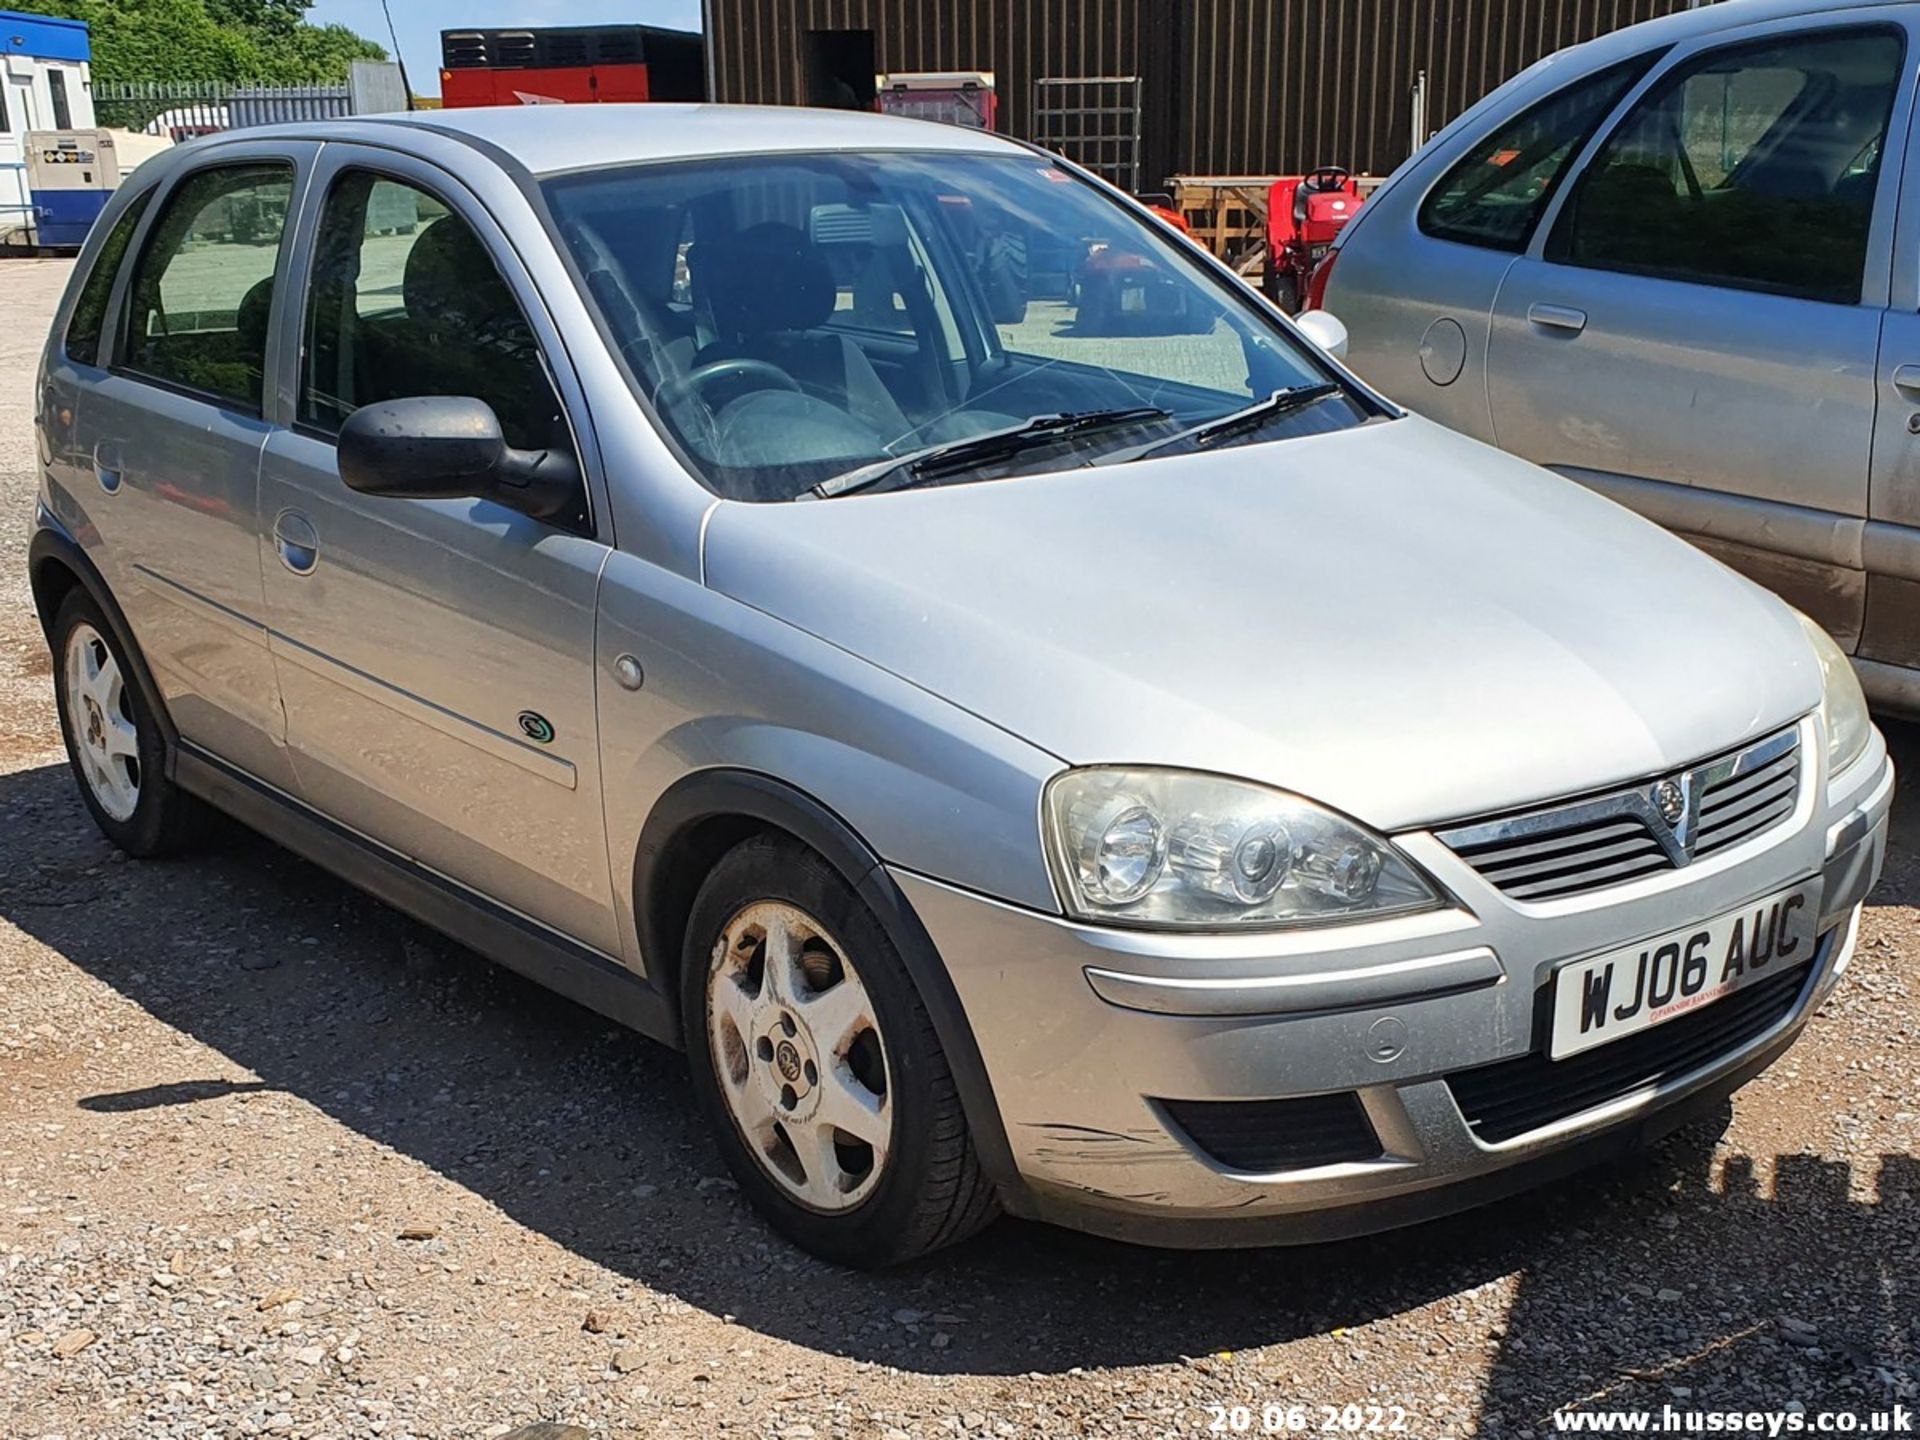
106,738
797,1048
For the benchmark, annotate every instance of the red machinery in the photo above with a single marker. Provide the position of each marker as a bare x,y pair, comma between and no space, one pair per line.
1304,213
570,65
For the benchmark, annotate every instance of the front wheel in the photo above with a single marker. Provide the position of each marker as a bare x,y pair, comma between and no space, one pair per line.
818,1066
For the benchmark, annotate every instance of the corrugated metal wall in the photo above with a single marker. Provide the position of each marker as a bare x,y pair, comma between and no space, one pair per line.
1278,86
759,52
1251,87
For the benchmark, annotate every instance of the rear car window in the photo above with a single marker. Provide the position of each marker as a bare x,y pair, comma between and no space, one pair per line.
203,292
1751,167
90,310
1495,195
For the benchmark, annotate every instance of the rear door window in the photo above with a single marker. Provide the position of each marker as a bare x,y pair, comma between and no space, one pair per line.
1495,195
1752,167
203,293
90,309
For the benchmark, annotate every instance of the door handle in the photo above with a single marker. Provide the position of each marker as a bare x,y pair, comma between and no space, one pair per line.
107,467
296,541
1558,317
1907,378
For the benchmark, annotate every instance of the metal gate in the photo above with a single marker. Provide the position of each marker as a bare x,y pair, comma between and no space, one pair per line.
1093,120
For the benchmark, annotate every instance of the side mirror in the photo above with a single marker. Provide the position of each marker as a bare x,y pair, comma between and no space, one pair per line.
448,447
1324,330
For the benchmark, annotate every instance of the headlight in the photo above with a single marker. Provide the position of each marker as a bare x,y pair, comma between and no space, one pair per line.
1843,705
1180,849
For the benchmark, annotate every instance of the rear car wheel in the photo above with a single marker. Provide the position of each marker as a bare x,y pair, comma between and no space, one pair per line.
818,1066
113,740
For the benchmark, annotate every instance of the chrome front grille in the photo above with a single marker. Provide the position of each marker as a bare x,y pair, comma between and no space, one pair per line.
1661,824
1749,799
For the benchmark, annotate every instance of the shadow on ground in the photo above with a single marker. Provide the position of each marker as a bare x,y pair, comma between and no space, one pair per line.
587,1134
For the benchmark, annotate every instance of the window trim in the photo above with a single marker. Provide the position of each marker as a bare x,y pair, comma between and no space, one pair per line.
123,321
1554,242
1643,64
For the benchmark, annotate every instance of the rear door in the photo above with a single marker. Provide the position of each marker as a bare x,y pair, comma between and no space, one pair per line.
1891,637
1695,330
174,430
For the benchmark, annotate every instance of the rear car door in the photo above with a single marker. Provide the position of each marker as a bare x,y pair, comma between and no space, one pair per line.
174,429
1695,330
436,655
1889,650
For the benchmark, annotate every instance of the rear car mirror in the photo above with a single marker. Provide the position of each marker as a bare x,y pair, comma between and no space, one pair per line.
447,447
1324,330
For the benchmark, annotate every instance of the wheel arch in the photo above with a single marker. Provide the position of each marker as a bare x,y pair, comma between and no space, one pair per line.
56,567
707,813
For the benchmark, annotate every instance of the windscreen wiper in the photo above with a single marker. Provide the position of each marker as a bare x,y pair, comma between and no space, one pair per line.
1237,422
955,456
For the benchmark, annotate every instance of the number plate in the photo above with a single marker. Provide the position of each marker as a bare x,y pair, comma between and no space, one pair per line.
1611,996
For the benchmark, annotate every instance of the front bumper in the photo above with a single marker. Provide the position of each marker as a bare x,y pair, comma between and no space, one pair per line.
1089,1035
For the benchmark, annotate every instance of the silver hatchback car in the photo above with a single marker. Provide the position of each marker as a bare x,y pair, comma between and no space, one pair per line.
865,602
1679,264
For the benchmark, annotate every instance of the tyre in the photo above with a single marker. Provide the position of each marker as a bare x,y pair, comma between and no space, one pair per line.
113,740
818,1067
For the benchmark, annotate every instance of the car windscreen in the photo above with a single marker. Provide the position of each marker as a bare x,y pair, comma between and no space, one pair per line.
793,318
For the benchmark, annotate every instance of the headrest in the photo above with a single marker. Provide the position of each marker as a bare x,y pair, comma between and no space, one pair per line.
450,277
255,311
767,277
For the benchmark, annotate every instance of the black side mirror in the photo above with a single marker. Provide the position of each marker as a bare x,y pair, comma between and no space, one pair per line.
445,447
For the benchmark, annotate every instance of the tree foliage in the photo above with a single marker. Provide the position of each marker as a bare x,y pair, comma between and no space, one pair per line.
235,40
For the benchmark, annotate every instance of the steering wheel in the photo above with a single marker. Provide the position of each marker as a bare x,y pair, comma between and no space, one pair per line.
742,367
1326,177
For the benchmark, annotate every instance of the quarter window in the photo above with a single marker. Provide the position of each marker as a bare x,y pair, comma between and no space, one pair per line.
405,301
1497,193
1753,167
203,292
90,309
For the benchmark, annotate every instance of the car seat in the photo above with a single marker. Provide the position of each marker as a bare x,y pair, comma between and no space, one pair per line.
767,293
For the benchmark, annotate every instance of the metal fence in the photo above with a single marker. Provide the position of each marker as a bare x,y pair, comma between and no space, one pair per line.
182,110
1094,121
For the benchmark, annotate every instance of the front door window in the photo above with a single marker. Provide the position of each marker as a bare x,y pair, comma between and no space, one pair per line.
1751,167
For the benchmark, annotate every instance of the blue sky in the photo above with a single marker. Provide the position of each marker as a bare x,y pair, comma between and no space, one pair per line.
421,21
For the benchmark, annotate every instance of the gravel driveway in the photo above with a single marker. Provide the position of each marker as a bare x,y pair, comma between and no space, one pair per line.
275,1160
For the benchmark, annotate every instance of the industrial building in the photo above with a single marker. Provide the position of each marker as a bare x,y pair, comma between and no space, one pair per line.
1142,90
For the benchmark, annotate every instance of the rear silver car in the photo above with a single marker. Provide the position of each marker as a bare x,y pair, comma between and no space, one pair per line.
1675,264
1110,766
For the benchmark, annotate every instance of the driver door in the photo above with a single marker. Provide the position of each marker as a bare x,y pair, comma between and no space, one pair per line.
435,656
1695,333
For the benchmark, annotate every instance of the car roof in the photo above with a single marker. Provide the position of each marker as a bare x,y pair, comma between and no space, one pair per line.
545,139
1711,19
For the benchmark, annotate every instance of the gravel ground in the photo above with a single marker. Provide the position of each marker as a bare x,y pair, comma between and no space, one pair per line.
275,1160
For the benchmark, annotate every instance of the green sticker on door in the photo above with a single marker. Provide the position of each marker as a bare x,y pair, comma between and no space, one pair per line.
536,727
